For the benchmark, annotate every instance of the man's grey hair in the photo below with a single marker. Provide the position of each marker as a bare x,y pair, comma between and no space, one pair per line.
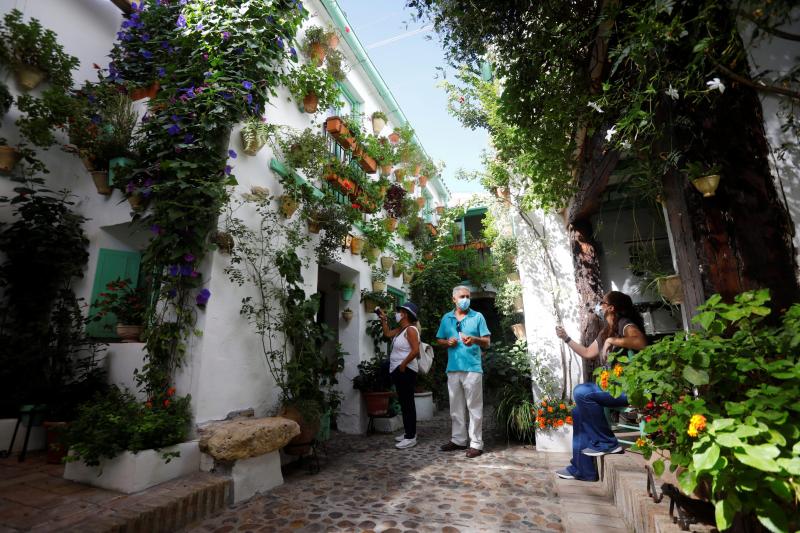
458,288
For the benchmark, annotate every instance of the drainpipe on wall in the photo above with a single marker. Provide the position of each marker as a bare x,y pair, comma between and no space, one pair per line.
336,14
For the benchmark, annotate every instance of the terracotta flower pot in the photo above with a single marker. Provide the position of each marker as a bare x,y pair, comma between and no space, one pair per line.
129,333
399,174
519,331
136,201
417,170
422,181
100,178
387,262
9,157
29,77
390,223
224,242
377,125
707,184
333,40
310,103
428,256
145,92
313,226
377,402
301,444
318,52
394,137
421,201
56,448
373,254
386,170
409,186
347,315
440,210
357,245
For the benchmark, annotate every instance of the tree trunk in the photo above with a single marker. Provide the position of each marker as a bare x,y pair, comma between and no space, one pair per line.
587,280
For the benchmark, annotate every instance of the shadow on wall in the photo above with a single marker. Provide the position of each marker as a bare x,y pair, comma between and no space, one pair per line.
548,284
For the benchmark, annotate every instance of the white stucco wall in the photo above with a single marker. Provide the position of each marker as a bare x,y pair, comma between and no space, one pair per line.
225,369
780,56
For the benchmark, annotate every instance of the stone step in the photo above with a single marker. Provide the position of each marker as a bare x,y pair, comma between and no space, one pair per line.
170,506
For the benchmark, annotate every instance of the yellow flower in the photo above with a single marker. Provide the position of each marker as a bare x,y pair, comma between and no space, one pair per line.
696,423
604,379
640,442
618,370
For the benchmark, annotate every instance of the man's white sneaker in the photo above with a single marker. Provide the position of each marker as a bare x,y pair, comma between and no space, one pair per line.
406,443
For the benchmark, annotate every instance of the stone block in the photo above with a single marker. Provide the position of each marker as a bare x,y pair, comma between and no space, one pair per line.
246,437
388,425
257,474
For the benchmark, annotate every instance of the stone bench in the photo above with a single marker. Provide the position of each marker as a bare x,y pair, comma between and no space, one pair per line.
247,449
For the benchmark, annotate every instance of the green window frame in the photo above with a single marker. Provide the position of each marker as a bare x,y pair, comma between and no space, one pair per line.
398,295
350,97
111,265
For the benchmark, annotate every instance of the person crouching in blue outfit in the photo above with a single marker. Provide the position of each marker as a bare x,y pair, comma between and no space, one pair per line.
592,436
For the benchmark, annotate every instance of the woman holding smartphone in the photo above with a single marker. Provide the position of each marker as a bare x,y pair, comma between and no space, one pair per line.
403,366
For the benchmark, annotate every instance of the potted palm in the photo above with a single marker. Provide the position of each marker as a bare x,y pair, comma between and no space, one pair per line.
33,53
126,302
314,87
255,134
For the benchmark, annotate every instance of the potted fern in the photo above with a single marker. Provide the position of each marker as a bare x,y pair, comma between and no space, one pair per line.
255,134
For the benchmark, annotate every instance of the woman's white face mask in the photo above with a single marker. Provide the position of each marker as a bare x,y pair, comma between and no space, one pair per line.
598,310
398,317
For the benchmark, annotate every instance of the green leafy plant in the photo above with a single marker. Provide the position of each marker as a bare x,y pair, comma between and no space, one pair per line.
376,235
336,65
42,116
722,401
696,169
256,132
6,99
309,79
126,302
30,45
372,376
305,151
116,422
381,150
378,274
507,375
379,114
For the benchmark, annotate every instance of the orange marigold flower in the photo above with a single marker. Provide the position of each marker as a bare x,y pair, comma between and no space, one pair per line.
560,422
696,423
604,379
541,411
618,370
549,409
569,420
640,442
561,406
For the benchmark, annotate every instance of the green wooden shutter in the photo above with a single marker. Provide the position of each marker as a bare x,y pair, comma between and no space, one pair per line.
111,265
398,295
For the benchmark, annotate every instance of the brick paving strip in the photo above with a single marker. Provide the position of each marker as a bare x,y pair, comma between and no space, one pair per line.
365,485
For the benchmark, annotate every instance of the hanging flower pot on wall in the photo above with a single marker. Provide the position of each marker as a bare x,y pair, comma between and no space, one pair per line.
29,77
318,52
347,292
129,333
394,137
519,331
397,268
408,277
378,286
9,157
386,170
313,226
288,205
707,184
440,210
422,181
356,245
100,178
347,315
671,289
390,223
399,174
408,186
378,123
421,201
311,102
387,262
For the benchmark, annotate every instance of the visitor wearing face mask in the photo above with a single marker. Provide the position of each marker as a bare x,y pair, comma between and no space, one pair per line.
592,436
403,367
464,332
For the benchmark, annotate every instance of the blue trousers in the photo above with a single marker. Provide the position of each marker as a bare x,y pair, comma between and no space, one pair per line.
590,428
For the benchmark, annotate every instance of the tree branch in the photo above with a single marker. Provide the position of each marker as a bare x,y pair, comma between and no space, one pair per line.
758,86
774,31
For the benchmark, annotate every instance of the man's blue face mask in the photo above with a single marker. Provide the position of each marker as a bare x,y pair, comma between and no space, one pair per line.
463,304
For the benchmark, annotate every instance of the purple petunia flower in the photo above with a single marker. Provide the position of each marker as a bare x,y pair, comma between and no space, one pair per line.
249,98
181,22
203,297
188,258
199,26
161,72
228,170
226,95
190,92
247,85
174,270
232,154
174,129
226,35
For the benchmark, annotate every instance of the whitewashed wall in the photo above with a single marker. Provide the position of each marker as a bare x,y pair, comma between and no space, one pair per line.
225,369
780,56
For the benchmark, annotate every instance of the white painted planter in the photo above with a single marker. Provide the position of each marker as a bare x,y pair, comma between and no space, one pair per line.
36,441
424,404
133,472
554,440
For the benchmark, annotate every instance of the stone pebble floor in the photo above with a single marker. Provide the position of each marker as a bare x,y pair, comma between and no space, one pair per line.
366,485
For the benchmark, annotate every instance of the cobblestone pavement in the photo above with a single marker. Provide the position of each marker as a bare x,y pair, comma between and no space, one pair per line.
367,485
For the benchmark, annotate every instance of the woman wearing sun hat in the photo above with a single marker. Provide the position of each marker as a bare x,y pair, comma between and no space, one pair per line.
403,366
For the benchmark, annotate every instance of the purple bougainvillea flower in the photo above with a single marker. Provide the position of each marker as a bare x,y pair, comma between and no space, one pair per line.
232,154
174,270
181,22
247,85
203,297
228,170
174,129
161,72
147,54
188,258
226,35
155,228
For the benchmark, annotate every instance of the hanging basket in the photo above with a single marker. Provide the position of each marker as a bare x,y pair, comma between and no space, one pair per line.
378,124
357,245
288,206
707,184
390,223
29,77
387,262
311,103
318,52
671,289
9,157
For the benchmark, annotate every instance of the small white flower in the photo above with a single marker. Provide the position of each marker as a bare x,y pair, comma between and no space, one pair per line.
626,144
672,92
610,133
716,84
596,107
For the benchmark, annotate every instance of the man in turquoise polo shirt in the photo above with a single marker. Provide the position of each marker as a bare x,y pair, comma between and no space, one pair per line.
465,334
